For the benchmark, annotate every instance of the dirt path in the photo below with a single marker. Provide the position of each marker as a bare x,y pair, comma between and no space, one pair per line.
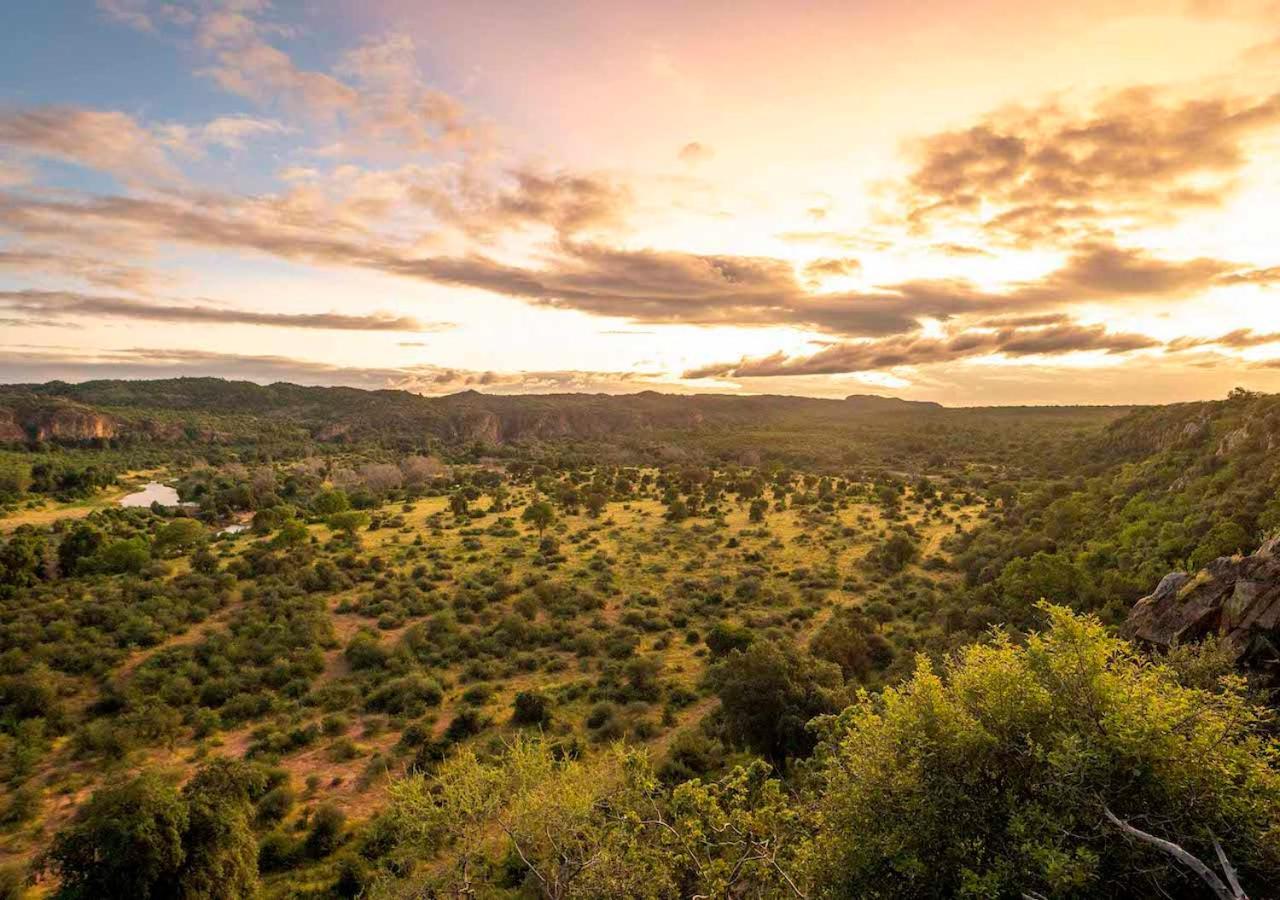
190,636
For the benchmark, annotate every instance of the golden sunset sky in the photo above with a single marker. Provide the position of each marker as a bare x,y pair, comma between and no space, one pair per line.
970,202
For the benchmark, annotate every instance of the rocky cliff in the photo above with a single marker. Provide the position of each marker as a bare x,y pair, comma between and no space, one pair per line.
1234,597
58,422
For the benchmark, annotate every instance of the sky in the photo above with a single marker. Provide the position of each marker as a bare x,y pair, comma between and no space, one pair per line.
976,203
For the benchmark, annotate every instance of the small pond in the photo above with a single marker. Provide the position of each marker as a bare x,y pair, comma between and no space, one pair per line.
154,492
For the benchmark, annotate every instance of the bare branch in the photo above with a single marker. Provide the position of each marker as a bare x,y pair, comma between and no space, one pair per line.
1182,856
1227,868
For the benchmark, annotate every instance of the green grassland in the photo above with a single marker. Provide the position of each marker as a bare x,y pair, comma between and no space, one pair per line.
732,628
627,584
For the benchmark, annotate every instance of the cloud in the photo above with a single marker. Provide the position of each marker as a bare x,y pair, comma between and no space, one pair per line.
92,270
120,145
375,96
829,267
641,285
128,12
694,153
839,239
950,249
108,141
53,305
1239,339
915,350
13,174
567,202
40,364
396,105
1049,175
1023,321
1267,276
231,132
1100,270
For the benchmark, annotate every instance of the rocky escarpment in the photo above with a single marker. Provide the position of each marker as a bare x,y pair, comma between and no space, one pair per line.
1234,597
61,423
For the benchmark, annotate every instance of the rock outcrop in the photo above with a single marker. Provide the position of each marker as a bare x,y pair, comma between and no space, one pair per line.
59,422
1234,597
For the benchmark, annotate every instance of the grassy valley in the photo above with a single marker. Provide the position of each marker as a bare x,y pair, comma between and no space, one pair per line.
567,646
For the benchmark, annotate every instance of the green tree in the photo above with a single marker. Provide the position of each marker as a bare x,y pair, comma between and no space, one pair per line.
565,821
292,533
81,541
21,559
15,478
769,692
327,503
531,708
179,536
895,553
850,640
1223,539
325,836
348,522
725,637
127,556
994,778
595,503
125,842
540,514
458,504
220,847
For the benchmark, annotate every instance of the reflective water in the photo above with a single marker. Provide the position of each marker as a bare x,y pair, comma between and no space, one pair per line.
154,492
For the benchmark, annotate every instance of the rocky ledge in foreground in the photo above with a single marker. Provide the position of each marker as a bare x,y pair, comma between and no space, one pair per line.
1234,597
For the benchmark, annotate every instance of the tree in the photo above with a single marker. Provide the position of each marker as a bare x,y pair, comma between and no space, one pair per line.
725,637
126,842
500,497
326,831
15,478
292,533
566,822
994,777
769,692
326,503
1223,539
850,640
458,503
127,556
381,478
21,559
81,541
348,522
178,536
759,506
220,846
144,839
540,514
895,553
418,470
204,562
739,836
531,708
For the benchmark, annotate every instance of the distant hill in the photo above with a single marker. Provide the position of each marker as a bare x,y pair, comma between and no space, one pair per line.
863,427
96,409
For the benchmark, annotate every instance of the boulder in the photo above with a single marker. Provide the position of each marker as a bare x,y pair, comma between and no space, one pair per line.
1234,597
